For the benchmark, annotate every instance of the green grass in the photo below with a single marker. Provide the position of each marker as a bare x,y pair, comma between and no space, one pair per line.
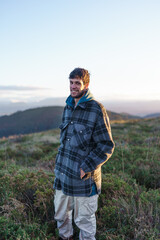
129,205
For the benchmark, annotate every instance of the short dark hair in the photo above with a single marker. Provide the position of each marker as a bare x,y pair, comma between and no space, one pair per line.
80,73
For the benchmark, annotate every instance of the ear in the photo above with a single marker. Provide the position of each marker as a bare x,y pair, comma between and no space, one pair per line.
87,85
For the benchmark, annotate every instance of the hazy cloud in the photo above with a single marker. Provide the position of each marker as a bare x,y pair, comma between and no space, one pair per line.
20,88
14,93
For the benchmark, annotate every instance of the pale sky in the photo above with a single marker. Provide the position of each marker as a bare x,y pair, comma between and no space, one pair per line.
41,42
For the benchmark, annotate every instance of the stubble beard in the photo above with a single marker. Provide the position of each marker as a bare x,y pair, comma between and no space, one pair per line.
80,94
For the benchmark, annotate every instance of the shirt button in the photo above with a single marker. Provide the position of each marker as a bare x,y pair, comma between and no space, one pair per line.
68,139
80,131
71,122
62,173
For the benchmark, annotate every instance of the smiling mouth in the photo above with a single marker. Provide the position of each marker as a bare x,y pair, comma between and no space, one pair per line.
74,91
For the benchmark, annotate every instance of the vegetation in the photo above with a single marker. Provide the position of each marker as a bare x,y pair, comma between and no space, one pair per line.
129,205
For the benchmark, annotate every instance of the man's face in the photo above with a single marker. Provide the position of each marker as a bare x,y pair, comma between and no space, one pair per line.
77,88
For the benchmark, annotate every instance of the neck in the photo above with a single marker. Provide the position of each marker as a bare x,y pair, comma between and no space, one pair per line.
76,100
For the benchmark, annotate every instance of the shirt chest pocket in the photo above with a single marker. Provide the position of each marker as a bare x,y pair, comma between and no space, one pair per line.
81,136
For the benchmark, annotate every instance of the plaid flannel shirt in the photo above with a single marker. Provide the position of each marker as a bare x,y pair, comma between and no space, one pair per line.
85,142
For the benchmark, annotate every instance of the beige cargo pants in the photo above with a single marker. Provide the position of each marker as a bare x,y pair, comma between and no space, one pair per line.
84,215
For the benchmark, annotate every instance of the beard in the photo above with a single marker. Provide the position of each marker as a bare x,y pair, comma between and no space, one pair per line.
80,94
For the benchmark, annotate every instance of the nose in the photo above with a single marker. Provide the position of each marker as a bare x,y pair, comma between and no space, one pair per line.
73,85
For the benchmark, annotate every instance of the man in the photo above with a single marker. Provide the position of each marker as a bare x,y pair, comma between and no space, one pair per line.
85,144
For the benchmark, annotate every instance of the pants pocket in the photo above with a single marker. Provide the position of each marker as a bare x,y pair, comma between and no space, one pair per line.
89,205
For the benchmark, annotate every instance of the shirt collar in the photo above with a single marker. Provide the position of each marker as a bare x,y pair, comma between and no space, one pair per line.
87,97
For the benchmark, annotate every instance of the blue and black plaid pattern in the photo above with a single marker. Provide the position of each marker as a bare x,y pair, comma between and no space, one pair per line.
85,142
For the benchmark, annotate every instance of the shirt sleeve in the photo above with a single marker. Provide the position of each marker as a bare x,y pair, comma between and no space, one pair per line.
104,145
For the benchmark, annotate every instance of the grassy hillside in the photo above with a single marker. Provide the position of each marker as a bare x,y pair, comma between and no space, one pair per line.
129,206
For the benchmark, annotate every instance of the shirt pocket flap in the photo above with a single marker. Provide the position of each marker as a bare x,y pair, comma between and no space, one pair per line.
81,137
63,125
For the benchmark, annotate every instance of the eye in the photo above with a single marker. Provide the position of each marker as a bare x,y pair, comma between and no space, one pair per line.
78,83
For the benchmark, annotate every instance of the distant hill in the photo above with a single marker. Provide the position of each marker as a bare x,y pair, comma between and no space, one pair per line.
133,107
30,121
152,115
40,119
121,116
8,107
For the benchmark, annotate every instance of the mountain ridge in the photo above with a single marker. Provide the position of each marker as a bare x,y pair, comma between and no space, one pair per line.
40,119
133,107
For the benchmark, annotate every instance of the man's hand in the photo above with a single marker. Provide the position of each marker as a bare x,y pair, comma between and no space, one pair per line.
82,173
